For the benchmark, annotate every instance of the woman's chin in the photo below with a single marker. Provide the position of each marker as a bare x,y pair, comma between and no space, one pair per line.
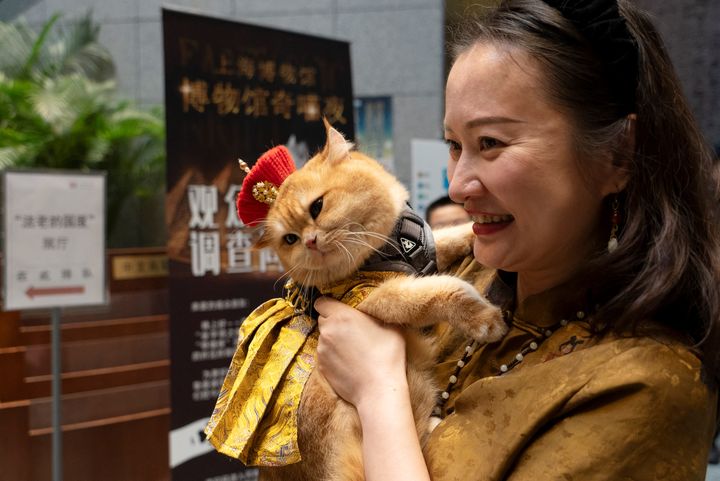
487,255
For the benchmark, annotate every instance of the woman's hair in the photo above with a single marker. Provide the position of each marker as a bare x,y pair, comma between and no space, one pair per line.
667,265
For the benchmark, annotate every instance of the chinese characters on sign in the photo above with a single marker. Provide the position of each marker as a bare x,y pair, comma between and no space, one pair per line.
139,267
215,339
254,86
197,95
205,236
55,241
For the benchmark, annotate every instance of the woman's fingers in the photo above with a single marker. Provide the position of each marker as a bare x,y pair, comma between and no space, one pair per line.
357,354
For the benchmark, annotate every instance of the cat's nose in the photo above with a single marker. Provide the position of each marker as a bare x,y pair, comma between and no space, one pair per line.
311,242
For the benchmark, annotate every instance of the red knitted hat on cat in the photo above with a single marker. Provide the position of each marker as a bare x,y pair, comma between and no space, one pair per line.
259,188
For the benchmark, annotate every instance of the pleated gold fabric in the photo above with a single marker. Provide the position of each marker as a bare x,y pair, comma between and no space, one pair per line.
255,417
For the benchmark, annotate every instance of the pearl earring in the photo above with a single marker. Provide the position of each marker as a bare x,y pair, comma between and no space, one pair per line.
615,222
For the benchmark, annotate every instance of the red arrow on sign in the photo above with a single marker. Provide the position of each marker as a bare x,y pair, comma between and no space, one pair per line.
53,291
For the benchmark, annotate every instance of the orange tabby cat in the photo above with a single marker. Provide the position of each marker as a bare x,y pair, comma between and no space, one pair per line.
328,219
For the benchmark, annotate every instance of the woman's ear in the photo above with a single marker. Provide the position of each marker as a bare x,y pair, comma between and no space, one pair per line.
629,137
617,171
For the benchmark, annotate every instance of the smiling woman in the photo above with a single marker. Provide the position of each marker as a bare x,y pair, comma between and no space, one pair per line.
509,151
595,206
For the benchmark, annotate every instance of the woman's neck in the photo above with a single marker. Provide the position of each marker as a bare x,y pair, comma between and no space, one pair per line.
534,282
529,284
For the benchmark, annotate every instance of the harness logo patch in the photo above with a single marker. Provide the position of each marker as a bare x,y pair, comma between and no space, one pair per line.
407,244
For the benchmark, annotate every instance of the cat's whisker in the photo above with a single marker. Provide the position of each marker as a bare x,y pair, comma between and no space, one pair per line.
346,227
363,231
363,243
351,223
332,234
285,274
308,282
372,235
348,255
263,223
367,235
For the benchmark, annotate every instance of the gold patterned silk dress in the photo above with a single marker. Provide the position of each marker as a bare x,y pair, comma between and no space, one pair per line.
255,417
578,407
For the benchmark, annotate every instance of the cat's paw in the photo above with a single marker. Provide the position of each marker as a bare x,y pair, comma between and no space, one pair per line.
477,318
453,243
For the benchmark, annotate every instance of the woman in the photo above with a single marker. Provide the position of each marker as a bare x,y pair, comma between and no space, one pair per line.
594,200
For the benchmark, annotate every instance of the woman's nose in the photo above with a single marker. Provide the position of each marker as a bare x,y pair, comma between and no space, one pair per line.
464,181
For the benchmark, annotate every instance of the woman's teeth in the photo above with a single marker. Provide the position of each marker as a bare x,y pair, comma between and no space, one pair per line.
489,219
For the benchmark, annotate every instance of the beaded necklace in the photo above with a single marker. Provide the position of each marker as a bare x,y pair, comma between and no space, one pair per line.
470,349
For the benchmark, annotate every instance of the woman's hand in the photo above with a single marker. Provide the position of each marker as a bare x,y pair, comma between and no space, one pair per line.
364,361
360,357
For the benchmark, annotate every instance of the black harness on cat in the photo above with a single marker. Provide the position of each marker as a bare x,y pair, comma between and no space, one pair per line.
410,249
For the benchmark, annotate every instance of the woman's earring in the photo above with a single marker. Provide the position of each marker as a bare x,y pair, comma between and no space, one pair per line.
615,222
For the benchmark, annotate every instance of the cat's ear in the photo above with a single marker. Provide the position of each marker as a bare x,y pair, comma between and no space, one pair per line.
336,148
260,238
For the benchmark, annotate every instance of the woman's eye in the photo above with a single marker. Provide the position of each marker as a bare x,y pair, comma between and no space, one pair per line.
488,143
291,238
316,207
454,147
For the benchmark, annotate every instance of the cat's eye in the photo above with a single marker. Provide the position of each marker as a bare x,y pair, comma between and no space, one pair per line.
316,207
291,238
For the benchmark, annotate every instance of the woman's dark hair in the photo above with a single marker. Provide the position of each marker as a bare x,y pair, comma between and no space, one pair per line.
667,265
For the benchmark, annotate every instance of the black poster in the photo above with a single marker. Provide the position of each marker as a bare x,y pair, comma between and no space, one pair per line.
232,91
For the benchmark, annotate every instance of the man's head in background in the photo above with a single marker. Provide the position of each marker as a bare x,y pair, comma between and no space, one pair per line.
443,212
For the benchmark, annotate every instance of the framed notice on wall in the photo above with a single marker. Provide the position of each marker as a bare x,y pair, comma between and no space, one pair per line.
373,126
429,172
232,90
54,239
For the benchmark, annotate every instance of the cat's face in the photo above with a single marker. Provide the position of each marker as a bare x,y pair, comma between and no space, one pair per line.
330,215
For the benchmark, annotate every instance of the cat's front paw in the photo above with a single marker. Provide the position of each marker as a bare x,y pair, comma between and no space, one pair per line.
453,243
478,319
487,325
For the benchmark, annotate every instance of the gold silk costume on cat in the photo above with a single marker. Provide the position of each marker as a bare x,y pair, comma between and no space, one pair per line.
255,417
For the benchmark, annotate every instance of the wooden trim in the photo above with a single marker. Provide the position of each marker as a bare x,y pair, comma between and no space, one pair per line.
100,353
125,251
14,404
87,330
100,378
103,422
102,404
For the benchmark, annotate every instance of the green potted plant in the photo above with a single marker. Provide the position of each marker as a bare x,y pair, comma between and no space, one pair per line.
58,109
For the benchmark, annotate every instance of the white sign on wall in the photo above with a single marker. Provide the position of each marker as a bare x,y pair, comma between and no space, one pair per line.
54,239
429,172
